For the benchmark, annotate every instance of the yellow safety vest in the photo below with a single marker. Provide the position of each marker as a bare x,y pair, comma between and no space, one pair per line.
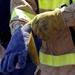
56,61
52,60
43,4
52,4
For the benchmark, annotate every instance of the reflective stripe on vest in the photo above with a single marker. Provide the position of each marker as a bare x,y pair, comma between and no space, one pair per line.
57,61
20,13
52,4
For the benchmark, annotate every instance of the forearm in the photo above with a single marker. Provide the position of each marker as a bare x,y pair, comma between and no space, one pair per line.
21,13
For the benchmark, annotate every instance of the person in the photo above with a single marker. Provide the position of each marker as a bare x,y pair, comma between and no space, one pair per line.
5,31
54,40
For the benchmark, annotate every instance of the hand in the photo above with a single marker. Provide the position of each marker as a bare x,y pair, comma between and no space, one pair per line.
46,24
17,50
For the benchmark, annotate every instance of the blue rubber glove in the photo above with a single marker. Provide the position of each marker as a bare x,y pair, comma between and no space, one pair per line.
17,50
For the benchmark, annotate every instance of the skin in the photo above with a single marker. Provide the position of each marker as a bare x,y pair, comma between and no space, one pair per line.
2,52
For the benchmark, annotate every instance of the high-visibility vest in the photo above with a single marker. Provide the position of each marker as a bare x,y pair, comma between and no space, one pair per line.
52,4
56,61
42,4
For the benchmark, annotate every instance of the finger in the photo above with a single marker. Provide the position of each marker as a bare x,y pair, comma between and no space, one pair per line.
12,62
4,63
22,57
